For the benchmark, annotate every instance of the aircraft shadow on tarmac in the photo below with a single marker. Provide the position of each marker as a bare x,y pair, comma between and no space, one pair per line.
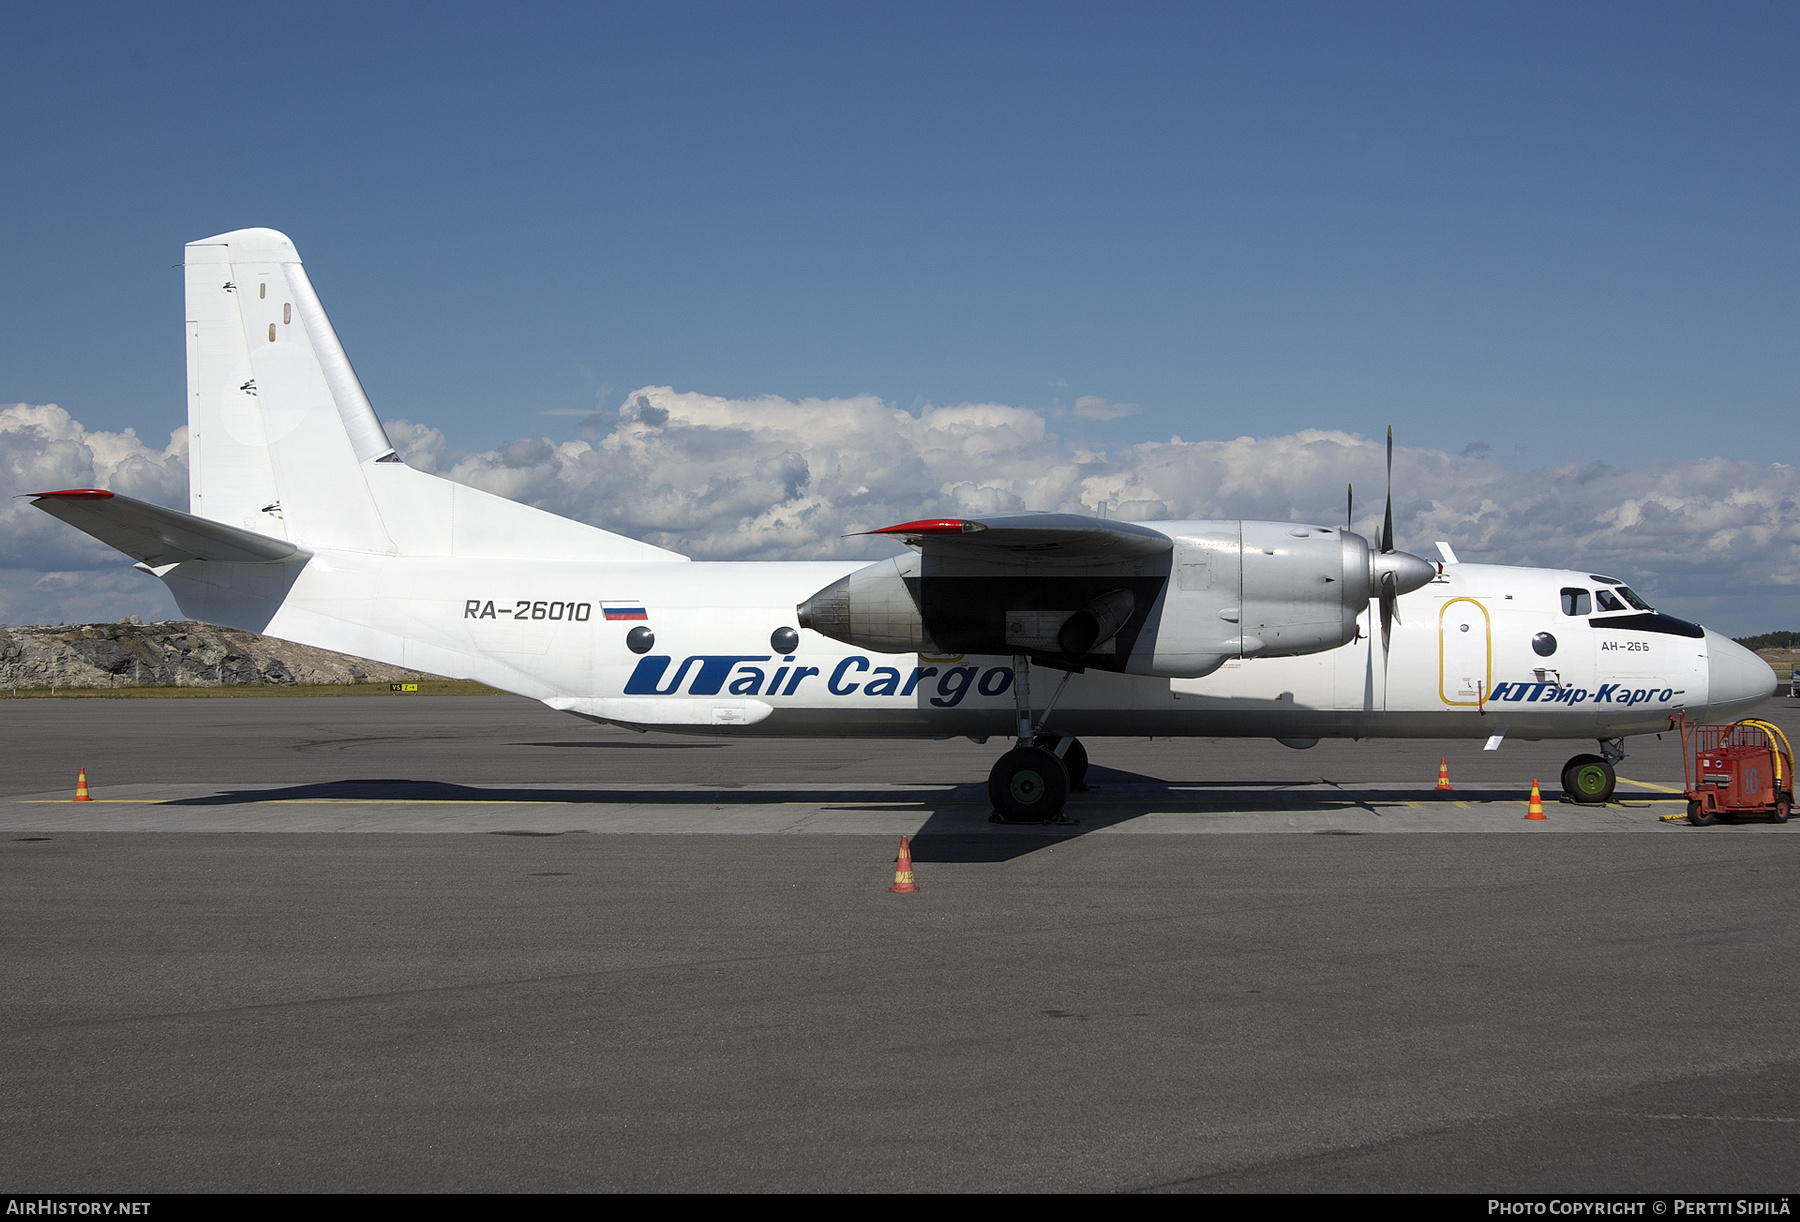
955,828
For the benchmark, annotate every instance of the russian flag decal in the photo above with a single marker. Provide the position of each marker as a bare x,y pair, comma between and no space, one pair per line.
620,611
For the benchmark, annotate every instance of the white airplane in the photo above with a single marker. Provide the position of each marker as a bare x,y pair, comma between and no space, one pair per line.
304,524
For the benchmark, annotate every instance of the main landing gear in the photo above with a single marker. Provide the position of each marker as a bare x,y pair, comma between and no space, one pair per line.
1031,783
1590,779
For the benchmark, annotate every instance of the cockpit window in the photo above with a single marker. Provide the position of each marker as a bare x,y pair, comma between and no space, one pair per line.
1604,581
1608,602
1630,596
1575,602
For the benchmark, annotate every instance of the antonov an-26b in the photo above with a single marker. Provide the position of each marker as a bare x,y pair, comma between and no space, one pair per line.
304,523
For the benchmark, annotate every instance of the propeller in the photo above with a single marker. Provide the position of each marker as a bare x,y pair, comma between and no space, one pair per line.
1394,572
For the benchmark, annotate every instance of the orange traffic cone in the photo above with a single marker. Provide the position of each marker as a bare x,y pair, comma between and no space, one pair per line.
903,879
1444,773
1536,809
81,793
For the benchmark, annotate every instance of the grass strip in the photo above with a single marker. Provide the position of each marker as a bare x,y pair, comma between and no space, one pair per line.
426,687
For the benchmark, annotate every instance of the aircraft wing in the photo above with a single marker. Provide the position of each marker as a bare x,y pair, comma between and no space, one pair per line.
154,535
1038,540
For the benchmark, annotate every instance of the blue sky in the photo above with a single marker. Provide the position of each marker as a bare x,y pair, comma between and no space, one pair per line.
1564,231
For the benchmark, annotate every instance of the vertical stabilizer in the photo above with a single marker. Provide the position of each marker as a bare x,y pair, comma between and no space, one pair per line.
278,425
283,441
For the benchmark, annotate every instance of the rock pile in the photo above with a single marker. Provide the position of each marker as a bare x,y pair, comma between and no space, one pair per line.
178,653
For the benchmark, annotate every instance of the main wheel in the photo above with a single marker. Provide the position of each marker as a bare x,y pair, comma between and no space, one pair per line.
1589,779
1074,760
1028,785
1698,815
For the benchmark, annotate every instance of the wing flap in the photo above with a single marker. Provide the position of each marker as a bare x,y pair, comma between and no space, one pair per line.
154,535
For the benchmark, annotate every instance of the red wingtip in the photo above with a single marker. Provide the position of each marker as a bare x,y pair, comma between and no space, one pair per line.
930,526
80,494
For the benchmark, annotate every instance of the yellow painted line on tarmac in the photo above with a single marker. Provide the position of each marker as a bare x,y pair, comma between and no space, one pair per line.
1649,785
409,802
310,802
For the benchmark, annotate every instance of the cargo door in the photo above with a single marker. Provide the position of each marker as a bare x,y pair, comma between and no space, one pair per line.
1465,653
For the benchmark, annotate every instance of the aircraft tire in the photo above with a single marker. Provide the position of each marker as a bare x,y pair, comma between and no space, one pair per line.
1589,779
1028,785
1075,759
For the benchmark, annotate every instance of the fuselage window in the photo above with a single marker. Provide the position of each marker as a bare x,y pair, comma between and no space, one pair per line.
1575,602
1630,596
1608,602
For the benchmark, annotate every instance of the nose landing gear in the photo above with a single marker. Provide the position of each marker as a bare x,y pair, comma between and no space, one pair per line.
1590,779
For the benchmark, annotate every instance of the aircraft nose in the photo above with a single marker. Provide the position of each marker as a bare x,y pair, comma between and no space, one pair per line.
1736,679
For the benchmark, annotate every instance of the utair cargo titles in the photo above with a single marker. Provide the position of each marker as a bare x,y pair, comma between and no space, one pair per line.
1039,628
740,675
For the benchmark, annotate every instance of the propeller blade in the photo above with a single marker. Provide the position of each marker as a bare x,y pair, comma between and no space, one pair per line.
1349,506
1390,607
1387,521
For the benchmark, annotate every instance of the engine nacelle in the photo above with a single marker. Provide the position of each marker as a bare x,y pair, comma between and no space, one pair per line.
1220,590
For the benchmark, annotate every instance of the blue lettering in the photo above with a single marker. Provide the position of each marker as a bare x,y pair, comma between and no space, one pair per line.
837,676
1667,693
1537,690
1500,691
1606,691
775,683
748,681
919,672
1000,675
954,685
885,681
1518,691
713,671
644,679
800,672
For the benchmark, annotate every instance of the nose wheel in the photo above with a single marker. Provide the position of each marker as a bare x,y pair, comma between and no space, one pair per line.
1589,779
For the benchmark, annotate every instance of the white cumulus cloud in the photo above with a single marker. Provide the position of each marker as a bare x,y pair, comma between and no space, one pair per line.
1093,407
770,478
47,569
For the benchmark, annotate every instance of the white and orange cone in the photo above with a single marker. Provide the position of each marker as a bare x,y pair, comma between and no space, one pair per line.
903,876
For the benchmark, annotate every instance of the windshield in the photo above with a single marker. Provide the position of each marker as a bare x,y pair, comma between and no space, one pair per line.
1607,601
1630,596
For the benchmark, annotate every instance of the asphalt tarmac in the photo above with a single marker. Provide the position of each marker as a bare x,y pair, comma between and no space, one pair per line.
557,957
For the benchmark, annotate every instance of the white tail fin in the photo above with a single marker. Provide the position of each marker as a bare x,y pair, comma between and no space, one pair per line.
283,441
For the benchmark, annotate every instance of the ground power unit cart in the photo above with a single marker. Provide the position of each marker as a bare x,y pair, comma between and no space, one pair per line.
1745,768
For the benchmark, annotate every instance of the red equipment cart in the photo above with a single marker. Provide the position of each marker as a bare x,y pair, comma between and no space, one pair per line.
1745,768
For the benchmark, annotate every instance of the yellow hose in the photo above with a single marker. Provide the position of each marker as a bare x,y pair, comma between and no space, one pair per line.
1775,734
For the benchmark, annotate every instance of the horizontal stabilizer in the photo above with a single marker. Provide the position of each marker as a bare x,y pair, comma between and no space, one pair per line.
154,535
